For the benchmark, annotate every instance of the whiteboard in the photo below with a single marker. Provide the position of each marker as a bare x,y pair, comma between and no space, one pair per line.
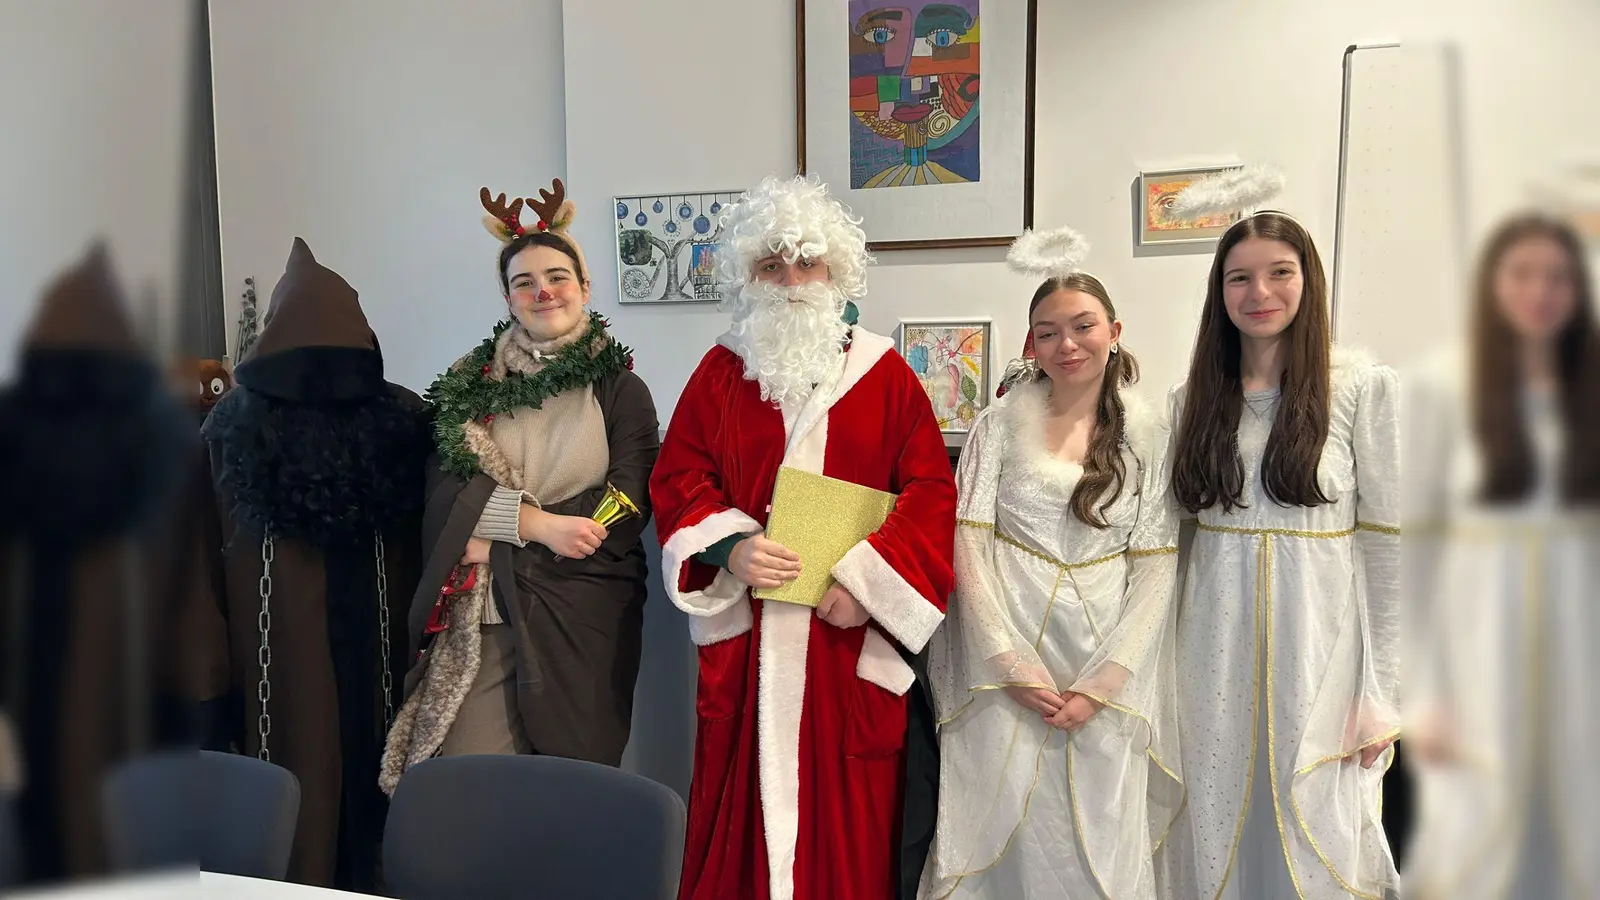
1398,279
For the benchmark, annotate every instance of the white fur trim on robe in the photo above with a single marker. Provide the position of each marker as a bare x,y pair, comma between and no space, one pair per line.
722,610
786,633
889,598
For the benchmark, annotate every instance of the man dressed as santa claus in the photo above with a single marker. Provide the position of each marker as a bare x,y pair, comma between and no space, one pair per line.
801,712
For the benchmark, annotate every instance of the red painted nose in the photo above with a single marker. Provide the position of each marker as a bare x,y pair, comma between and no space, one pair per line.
546,296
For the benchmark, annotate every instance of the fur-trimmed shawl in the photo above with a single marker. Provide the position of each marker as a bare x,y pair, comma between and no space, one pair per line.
1021,416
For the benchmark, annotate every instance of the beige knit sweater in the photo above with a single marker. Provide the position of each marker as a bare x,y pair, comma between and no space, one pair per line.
539,456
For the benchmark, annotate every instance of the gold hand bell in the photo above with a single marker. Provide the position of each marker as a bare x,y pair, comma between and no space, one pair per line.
613,508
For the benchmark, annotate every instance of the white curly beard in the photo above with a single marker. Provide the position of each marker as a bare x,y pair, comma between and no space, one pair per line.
790,338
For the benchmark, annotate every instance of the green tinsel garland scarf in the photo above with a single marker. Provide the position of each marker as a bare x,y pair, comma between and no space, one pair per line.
466,392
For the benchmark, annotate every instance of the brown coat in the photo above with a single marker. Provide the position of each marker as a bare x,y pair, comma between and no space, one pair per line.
315,448
94,564
304,706
578,622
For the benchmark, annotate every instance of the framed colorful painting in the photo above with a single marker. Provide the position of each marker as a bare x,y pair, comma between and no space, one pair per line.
666,244
951,359
1158,225
890,114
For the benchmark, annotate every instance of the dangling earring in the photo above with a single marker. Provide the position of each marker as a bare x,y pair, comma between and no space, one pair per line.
1114,349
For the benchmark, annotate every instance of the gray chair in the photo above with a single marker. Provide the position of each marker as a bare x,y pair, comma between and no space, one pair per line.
222,812
531,827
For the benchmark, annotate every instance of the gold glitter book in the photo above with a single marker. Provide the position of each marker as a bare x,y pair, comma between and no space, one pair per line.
820,519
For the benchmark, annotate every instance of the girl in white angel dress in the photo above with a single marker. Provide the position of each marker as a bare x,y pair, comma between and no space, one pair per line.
1050,671
1503,558
1287,452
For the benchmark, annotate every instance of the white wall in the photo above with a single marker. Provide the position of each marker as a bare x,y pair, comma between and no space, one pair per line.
662,100
1120,86
91,132
367,127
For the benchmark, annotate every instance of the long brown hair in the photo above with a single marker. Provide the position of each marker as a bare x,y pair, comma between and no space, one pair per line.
1103,469
1206,468
1496,375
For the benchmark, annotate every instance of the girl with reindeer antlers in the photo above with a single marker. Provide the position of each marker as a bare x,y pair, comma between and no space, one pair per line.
1049,675
525,630
1286,451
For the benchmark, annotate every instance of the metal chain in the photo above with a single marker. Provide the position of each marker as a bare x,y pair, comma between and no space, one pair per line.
383,632
264,654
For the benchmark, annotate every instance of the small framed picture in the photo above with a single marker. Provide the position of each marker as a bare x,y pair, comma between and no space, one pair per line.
951,359
666,246
1157,190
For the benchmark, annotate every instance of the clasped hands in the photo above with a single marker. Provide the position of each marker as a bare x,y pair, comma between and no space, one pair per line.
1066,710
764,563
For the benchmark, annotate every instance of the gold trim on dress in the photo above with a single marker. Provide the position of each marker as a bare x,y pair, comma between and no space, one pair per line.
1155,551
1077,823
1038,766
1264,590
1255,726
1390,735
1275,532
1041,555
1264,557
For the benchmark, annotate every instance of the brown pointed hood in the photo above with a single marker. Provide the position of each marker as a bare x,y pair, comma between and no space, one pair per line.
312,306
84,308
315,342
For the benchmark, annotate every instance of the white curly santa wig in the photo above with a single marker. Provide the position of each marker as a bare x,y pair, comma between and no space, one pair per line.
797,218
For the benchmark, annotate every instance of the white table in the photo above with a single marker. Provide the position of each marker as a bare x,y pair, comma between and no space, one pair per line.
236,887
178,886
186,886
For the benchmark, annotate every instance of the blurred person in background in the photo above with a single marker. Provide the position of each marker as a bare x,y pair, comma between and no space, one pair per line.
94,450
312,545
1502,445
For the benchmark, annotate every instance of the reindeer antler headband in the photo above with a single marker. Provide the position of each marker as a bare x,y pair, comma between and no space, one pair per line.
504,220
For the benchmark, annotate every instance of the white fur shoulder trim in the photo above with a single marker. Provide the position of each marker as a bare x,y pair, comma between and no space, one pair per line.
1145,425
1355,369
1348,359
1022,415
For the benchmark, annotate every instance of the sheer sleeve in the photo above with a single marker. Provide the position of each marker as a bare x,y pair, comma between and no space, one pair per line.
1128,671
979,648
1376,444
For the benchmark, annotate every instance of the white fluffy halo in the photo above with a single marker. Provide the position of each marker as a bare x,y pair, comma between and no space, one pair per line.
1053,254
1241,190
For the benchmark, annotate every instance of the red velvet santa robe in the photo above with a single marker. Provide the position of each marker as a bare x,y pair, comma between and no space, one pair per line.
801,725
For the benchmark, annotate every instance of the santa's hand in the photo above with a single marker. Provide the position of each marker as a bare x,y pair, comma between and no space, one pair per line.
477,552
1044,702
1076,711
763,563
841,609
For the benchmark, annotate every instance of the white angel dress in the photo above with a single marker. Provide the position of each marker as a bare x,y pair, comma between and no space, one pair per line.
1027,810
1502,654
1288,662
